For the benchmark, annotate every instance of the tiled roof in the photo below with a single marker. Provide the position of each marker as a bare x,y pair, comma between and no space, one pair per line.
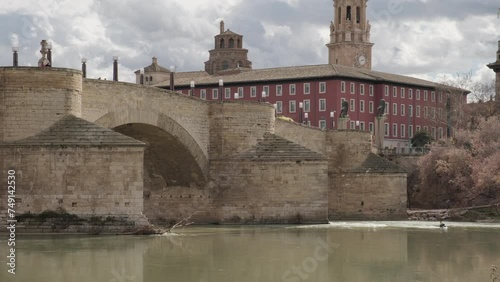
228,32
275,148
297,72
74,131
377,164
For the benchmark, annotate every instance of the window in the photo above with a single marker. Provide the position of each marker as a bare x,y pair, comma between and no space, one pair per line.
371,127
227,93
410,110
362,125
440,133
279,90
253,91
292,89
370,107
440,113
403,93
342,87
418,95
394,130
394,109
362,106
403,130
279,107
386,129
362,89
418,111
410,93
203,94
266,89
352,125
292,106
307,88
386,91
433,113
322,124
433,96
322,105
418,128
353,106
190,92
215,94
352,87
371,90
410,131
426,129
402,110
426,95
322,87
307,106
240,92
433,133
386,108
426,112
440,97
394,92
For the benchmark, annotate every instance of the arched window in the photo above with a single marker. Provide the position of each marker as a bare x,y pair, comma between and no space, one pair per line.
222,44
358,15
147,79
231,43
348,14
239,43
150,79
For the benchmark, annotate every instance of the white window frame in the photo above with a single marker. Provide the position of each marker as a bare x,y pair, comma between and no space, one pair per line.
410,94
227,93
418,111
292,106
386,129
403,110
322,105
352,88
394,92
352,106
307,106
362,89
342,86
395,130
371,107
394,109
279,90
241,92
418,94
292,89
426,95
203,94
307,88
279,107
386,91
322,124
322,87
371,90
371,127
253,91
403,130
361,106
265,88
403,92
215,94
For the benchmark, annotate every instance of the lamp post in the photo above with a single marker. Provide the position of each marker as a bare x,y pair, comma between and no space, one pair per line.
192,87
332,117
84,67
301,105
221,85
172,77
115,68
357,125
49,53
306,116
15,57
263,96
236,96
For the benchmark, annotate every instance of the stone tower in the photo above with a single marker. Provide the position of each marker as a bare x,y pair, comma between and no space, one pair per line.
350,35
228,56
496,68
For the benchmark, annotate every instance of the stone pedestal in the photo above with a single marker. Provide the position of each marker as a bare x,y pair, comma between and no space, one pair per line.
342,123
379,132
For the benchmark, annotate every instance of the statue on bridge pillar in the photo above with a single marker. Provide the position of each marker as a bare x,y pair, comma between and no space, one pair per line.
344,116
44,62
380,125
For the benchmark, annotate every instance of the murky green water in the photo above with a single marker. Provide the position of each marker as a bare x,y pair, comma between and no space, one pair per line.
363,251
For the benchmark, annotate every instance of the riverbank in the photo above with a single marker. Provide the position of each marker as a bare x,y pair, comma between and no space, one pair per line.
490,213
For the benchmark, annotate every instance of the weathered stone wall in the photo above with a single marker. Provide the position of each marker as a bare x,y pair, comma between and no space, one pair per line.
97,181
347,149
364,196
309,137
236,126
32,99
270,192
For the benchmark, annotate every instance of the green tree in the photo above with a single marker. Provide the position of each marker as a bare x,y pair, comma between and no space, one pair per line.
420,139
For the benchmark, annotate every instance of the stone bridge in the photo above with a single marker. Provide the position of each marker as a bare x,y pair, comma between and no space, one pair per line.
231,162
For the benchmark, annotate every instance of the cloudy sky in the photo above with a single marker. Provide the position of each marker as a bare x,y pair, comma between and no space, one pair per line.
423,38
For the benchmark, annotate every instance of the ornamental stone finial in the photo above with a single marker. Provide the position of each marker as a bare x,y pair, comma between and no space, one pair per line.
44,62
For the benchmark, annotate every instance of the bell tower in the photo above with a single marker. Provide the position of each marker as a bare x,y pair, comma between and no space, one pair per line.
350,35
496,68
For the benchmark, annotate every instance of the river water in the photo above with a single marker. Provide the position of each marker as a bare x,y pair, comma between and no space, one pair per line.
339,251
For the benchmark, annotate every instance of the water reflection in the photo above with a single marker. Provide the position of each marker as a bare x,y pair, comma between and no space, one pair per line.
340,252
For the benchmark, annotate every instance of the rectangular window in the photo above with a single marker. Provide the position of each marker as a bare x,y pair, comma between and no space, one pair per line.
433,96
440,113
410,94
292,89
322,105
253,91
426,95
371,125
307,88
410,110
418,111
362,125
386,90
292,106
322,87
203,94
279,90
322,124
403,93
426,129
440,132
386,108
403,110
342,87
394,130
433,133
240,92
426,112
371,90
215,94
403,130
370,107
279,107
386,129
307,106
266,89
394,92
362,106
418,128
394,109
433,113
440,97
418,95
352,88
353,106
352,125
411,131
227,93
362,89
